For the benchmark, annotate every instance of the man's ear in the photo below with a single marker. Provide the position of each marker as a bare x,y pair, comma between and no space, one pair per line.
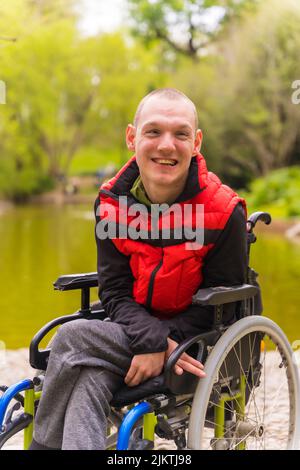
198,141
130,137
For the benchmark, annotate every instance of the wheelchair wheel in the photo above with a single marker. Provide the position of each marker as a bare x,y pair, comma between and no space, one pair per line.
250,396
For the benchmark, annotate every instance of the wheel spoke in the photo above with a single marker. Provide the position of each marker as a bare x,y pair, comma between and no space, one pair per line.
268,420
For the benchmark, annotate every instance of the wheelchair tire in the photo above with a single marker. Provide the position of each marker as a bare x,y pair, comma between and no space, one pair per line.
255,425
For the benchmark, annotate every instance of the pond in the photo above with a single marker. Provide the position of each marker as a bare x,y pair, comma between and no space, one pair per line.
40,243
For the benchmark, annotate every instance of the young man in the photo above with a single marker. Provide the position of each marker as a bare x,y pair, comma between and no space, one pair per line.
146,279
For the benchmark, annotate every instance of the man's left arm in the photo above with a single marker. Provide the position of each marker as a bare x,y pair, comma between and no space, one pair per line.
225,265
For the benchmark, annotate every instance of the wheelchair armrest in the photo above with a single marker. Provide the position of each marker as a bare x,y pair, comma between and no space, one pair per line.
187,382
76,281
224,295
38,358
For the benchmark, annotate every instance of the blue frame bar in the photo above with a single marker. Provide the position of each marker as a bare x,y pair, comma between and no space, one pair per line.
128,422
9,395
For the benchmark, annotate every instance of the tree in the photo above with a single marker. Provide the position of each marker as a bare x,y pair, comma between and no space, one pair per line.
65,92
243,91
261,62
187,26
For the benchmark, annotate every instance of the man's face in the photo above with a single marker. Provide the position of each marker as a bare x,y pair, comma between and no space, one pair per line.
164,140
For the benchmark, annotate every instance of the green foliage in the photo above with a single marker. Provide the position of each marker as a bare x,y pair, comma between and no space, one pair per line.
242,90
262,129
69,97
186,26
278,193
89,160
64,93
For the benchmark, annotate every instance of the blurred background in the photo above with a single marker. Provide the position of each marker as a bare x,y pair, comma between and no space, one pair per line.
71,75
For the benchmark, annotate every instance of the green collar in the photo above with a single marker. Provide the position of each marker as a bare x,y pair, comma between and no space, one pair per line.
138,191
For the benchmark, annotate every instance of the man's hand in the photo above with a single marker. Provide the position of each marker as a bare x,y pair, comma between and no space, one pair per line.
185,362
144,366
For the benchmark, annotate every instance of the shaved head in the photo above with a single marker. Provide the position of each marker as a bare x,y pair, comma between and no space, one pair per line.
167,93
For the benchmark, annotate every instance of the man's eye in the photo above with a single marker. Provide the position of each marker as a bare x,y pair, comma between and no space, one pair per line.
153,132
182,134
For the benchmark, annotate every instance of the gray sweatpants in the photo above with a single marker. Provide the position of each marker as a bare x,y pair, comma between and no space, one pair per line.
87,364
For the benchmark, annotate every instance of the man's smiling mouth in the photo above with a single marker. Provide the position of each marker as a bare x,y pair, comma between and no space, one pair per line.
165,161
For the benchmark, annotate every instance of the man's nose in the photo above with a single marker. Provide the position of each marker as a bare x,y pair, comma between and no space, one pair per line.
166,143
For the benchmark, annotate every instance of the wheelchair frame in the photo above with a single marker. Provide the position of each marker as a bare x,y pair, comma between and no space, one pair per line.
152,409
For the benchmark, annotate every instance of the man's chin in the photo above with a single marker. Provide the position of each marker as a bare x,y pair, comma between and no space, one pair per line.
164,180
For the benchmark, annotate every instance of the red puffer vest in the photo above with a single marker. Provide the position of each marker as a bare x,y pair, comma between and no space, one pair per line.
167,273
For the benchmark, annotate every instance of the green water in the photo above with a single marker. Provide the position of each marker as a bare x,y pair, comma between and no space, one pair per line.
39,243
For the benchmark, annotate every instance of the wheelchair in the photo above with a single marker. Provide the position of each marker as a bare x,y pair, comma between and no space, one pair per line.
249,398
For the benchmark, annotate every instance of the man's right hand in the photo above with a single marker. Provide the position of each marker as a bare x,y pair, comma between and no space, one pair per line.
185,362
145,366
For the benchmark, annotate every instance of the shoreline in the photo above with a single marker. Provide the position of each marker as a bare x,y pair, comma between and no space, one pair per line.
5,206
288,227
280,226
56,198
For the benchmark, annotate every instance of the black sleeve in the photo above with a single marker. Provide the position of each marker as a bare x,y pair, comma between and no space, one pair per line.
146,333
225,265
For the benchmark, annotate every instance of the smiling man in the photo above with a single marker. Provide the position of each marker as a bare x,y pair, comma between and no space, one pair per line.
165,137
146,283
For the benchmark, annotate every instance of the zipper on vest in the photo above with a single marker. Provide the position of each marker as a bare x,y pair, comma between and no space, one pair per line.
151,284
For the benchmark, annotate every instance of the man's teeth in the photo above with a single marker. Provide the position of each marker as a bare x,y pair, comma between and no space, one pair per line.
166,162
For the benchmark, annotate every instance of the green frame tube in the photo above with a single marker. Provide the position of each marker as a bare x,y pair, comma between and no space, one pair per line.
239,402
29,399
149,423
240,405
